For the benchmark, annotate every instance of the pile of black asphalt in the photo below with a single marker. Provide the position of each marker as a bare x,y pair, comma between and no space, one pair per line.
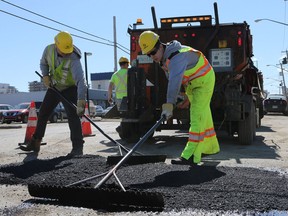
211,188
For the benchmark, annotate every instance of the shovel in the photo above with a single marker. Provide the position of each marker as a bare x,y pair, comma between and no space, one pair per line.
135,159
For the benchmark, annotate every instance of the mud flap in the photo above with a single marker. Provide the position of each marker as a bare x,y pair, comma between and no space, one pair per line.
112,113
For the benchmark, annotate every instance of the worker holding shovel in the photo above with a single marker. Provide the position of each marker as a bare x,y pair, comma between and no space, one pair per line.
62,72
187,67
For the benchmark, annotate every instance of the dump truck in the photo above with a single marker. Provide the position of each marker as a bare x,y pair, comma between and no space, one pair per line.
237,102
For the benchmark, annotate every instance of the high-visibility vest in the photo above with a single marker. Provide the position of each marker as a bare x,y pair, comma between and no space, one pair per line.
200,69
62,75
120,81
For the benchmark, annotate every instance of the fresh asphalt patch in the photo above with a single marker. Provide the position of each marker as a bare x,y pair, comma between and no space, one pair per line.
212,188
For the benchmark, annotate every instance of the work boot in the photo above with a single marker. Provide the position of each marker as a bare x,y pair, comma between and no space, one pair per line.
183,161
75,152
33,145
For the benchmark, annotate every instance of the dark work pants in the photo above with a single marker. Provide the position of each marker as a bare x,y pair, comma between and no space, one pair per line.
49,103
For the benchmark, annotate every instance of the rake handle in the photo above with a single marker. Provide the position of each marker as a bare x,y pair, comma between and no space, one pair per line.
138,144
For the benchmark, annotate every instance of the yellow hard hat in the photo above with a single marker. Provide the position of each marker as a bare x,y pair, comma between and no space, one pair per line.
123,60
147,41
64,42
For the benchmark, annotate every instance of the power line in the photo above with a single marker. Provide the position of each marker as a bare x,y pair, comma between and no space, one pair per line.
51,27
118,45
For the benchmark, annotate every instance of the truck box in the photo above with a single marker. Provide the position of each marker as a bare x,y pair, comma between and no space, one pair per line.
237,102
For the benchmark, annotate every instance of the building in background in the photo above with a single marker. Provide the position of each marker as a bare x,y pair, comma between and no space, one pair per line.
99,85
7,89
101,80
97,92
35,86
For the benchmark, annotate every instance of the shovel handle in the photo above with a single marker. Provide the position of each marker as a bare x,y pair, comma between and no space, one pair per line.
85,116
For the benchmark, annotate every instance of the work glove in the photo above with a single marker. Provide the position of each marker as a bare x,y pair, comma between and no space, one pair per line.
167,110
47,81
81,107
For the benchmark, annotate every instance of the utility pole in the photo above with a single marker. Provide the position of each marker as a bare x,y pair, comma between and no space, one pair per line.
115,43
284,91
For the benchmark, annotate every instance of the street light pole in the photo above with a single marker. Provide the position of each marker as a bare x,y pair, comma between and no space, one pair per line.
258,20
282,70
284,90
86,75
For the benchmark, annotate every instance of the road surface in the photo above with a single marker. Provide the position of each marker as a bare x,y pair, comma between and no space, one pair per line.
268,152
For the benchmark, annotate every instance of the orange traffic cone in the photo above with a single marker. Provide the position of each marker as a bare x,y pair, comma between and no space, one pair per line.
86,126
31,124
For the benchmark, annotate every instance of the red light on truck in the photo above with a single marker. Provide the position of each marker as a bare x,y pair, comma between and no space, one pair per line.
133,38
133,46
193,35
176,35
239,41
184,35
239,38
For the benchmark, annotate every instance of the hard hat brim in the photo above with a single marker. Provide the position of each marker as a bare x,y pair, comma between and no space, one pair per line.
66,50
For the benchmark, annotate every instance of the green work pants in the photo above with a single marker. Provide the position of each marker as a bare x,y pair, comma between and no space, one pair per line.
202,136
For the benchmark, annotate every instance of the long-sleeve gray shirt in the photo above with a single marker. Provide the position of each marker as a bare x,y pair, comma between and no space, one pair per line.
176,68
76,68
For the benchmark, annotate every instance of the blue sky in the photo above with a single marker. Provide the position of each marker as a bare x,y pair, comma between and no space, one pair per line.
22,42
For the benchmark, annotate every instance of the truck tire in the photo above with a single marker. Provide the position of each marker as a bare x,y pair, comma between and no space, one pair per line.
25,119
247,128
124,130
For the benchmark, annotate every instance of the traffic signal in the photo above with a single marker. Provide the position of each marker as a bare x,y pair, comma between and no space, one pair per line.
284,61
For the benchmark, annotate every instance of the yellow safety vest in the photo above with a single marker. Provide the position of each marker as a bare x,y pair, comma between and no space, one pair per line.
200,69
62,75
120,81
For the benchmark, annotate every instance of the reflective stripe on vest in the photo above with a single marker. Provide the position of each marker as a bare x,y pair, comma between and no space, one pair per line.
199,137
200,69
62,75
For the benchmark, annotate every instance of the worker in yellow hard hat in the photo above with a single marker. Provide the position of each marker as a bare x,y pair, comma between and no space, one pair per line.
119,82
61,69
189,68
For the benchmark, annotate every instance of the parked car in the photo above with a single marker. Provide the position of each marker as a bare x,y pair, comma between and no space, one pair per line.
61,110
4,108
99,110
21,112
18,114
276,103
55,115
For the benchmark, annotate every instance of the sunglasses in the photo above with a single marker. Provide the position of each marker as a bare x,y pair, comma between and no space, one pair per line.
154,51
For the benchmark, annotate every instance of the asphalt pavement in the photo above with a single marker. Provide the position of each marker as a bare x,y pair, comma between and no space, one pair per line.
254,177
